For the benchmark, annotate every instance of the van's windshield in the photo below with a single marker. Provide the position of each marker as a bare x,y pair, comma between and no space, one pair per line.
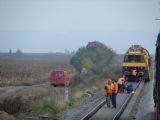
58,75
134,58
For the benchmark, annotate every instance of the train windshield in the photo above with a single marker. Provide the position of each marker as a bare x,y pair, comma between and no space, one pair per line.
134,58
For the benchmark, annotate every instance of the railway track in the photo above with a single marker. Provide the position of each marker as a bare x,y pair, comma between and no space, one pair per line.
118,112
80,108
93,111
95,104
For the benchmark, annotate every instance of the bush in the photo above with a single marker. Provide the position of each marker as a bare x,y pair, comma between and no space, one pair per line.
47,107
94,57
50,106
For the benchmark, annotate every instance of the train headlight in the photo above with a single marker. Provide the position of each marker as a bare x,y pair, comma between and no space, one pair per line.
140,73
126,73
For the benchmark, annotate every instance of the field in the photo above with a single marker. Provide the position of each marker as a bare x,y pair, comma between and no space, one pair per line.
30,69
26,92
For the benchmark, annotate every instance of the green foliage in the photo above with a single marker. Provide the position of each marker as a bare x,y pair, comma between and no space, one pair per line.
88,63
94,57
71,101
48,107
78,57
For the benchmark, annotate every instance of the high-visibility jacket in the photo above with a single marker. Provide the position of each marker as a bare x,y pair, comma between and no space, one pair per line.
108,89
134,72
115,88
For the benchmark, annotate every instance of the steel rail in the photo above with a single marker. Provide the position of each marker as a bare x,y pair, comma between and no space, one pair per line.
123,107
118,114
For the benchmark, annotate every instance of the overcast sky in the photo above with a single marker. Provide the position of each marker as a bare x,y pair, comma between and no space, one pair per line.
53,25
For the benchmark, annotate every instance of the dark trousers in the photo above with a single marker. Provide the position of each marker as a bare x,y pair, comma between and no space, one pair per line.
114,99
108,100
120,89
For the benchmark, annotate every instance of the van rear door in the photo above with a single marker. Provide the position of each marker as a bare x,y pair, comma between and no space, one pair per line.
58,76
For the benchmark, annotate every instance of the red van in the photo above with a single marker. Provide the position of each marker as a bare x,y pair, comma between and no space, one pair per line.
59,78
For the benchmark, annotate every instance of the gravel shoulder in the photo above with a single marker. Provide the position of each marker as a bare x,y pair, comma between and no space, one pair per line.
80,108
146,103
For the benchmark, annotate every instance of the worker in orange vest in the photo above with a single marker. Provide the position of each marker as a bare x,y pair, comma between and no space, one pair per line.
108,92
114,93
134,74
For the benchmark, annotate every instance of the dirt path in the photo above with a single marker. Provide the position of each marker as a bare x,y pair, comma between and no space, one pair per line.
12,90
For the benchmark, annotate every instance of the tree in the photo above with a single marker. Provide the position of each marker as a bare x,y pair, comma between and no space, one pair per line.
95,57
100,54
88,64
18,52
10,51
77,58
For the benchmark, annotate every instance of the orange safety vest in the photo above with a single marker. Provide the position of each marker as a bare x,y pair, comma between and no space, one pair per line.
134,72
108,89
115,88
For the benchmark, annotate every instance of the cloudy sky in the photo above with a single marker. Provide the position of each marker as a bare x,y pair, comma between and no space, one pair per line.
53,25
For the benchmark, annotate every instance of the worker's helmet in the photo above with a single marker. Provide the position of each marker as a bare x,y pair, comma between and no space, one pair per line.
109,80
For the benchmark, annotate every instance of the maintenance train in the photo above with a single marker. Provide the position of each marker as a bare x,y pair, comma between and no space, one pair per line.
137,58
156,93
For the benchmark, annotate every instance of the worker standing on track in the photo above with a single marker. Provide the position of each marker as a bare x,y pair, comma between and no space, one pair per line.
108,92
134,74
120,83
114,93
123,83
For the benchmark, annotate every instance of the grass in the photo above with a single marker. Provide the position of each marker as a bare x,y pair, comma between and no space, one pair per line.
47,107
52,100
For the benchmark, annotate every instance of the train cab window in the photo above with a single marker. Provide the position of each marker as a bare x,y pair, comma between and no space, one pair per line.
139,58
133,58
129,58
